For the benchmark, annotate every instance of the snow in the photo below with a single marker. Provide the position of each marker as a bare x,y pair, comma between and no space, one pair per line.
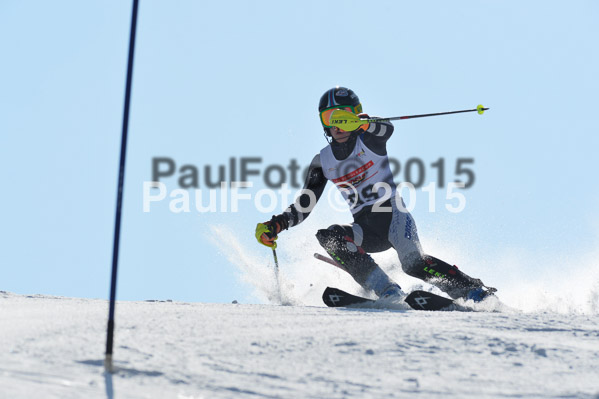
540,341
52,347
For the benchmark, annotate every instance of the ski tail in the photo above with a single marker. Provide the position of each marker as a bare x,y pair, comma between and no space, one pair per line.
335,298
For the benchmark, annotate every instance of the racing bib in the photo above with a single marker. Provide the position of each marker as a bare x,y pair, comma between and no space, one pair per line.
364,178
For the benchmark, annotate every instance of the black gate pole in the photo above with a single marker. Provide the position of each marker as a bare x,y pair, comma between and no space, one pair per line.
119,201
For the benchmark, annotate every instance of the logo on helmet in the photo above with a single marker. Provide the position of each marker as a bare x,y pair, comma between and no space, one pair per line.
341,93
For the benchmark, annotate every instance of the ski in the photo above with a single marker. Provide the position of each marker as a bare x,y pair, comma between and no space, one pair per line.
418,300
422,300
336,298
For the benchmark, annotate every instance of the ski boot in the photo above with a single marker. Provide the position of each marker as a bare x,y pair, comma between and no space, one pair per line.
479,294
393,292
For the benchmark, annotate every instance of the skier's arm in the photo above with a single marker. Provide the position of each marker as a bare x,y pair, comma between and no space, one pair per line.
376,136
266,233
313,189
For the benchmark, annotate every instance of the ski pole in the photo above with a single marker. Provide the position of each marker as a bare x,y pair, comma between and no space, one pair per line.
350,122
274,254
277,277
480,109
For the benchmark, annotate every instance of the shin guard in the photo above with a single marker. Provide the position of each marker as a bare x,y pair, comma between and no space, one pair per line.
354,260
446,277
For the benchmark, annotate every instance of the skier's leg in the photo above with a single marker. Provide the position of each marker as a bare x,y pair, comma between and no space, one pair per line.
343,243
403,235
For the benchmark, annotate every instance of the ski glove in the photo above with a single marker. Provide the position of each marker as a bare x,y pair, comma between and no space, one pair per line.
364,116
267,232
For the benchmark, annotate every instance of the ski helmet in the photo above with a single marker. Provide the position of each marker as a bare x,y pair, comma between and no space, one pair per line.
338,97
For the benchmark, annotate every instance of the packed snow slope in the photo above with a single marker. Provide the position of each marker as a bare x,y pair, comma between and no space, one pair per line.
52,347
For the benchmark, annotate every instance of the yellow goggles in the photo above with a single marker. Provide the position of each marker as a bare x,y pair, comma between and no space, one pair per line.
325,114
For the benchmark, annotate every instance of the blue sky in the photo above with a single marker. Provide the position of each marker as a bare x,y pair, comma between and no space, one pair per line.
216,80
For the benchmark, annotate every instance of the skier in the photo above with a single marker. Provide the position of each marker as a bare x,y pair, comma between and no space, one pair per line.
357,162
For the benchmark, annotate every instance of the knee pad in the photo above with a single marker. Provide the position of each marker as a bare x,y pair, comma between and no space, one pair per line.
343,230
334,240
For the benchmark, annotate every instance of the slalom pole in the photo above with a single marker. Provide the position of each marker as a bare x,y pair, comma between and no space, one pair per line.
119,202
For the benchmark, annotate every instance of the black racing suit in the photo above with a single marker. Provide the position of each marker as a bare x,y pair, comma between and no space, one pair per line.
373,232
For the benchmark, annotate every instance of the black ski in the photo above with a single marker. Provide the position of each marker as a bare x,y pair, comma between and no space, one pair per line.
336,298
422,300
418,300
